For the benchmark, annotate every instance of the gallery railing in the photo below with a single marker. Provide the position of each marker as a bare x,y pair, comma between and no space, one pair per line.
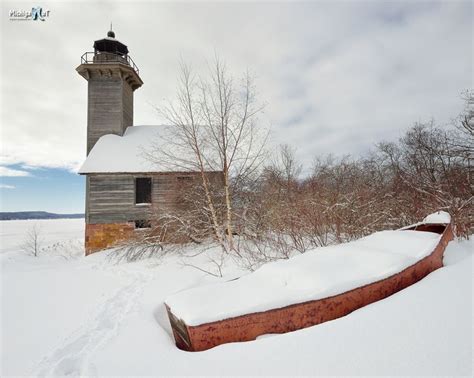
106,57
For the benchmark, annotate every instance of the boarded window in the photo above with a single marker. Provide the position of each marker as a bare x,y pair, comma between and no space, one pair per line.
143,190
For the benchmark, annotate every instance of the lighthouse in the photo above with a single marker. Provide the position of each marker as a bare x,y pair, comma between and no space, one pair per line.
112,78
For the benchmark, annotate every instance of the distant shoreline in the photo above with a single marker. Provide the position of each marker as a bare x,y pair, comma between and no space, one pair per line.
36,215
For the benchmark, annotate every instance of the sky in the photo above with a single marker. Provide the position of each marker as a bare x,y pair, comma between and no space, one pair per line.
335,76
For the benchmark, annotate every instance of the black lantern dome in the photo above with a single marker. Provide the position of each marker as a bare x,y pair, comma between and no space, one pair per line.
110,45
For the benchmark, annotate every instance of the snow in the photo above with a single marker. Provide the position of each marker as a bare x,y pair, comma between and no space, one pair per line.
124,154
438,217
131,152
316,274
86,316
51,231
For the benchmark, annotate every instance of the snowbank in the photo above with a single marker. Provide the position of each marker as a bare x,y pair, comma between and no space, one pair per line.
85,316
438,217
317,274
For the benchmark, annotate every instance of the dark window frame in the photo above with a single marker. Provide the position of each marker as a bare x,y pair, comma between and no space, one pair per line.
144,202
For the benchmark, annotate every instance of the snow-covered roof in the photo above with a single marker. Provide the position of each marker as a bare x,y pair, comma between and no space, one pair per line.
124,154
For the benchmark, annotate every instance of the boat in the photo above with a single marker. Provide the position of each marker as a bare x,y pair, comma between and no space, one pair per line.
320,285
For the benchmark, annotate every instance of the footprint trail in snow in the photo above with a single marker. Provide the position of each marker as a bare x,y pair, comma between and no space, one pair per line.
73,356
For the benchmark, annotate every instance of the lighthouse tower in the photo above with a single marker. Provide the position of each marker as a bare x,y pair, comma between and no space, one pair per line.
112,78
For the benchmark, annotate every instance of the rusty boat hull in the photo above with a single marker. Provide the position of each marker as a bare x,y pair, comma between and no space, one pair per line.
306,314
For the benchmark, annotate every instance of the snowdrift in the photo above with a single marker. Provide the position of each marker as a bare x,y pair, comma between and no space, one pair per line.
315,287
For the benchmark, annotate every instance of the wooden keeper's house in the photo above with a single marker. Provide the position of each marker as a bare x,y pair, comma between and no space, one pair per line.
123,188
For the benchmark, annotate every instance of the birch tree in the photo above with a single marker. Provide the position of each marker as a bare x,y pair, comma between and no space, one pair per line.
33,241
213,128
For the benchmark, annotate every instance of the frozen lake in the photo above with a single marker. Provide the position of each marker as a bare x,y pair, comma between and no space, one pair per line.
13,232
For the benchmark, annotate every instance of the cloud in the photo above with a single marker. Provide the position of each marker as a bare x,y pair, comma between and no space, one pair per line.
3,186
10,172
336,76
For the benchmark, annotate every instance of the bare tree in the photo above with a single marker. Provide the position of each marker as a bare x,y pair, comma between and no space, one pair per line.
286,168
144,245
430,173
213,128
215,263
463,140
33,241
213,136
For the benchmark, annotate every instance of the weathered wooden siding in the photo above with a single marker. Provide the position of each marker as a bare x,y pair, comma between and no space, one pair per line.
111,197
110,106
127,107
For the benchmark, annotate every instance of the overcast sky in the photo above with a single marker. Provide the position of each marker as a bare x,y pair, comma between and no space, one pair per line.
336,76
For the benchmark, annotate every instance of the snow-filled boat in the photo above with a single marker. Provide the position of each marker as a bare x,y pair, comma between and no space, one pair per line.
309,289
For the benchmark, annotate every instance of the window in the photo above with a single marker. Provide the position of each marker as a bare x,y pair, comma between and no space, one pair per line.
142,190
142,223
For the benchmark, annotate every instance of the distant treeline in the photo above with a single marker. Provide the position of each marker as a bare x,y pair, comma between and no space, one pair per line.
16,215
